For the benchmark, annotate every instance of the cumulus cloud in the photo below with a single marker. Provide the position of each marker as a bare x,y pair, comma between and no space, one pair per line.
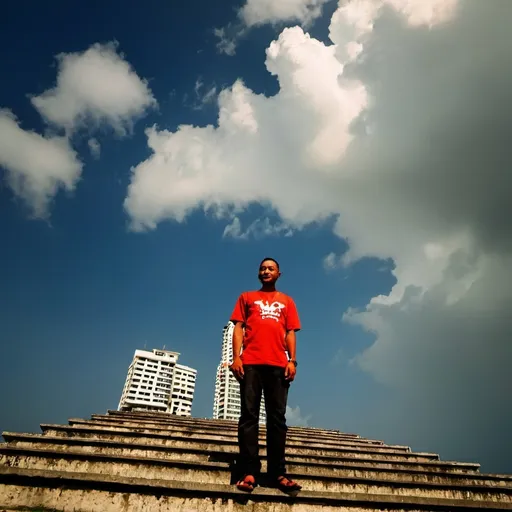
257,12
426,12
227,39
36,166
260,12
360,15
233,162
204,95
399,126
447,361
94,87
294,417
260,228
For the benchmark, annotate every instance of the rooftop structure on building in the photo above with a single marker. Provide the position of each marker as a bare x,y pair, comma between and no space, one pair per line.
156,382
226,401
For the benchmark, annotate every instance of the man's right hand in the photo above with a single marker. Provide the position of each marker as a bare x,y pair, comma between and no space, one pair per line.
237,367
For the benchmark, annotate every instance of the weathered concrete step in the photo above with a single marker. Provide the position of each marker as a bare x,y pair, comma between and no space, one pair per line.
210,472
164,415
81,492
221,437
232,435
129,435
231,430
202,470
137,449
219,423
232,427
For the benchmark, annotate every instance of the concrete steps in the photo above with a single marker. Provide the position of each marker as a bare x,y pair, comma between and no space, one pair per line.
231,432
225,426
51,490
219,436
142,461
228,445
123,446
315,478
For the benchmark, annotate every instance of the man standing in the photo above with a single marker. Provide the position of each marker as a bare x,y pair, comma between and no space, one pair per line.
264,360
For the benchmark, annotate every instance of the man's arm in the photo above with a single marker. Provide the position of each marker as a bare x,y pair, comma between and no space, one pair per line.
291,348
291,345
237,366
238,337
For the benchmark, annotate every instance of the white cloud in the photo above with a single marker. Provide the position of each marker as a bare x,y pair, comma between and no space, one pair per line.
305,129
295,418
353,21
209,95
447,359
331,261
260,12
93,87
204,95
94,147
257,12
402,132
36,166
359,15
232,163
233,230
227,43
426,12
260,228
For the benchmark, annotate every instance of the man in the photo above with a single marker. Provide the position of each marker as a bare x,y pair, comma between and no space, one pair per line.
264,360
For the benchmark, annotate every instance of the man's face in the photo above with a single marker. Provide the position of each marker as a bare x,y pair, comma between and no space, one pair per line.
268,273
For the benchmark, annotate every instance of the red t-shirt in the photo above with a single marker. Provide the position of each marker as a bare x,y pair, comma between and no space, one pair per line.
267,317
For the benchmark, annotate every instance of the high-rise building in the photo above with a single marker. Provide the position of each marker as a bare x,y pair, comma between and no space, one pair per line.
156,382
226,402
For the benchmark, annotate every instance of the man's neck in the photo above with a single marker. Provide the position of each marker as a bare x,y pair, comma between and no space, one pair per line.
268,288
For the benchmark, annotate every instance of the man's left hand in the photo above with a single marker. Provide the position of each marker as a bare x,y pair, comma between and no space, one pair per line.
290,371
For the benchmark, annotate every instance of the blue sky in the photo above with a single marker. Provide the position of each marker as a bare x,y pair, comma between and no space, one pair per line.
344,165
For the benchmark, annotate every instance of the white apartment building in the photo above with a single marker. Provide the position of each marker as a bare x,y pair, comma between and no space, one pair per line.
226,402
156,382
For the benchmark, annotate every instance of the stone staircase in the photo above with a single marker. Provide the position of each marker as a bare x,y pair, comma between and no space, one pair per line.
158,462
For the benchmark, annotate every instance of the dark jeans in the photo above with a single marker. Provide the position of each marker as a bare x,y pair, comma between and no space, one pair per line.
270,380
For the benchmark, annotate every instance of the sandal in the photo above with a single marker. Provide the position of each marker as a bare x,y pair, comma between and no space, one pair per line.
286,485
246,484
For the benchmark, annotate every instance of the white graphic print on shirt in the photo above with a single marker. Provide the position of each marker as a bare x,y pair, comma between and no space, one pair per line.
270,310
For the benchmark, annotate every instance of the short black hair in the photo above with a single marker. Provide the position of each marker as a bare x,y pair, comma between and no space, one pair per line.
270,259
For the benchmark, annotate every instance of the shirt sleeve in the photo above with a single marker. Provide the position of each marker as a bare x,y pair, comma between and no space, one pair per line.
239,313
292,317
